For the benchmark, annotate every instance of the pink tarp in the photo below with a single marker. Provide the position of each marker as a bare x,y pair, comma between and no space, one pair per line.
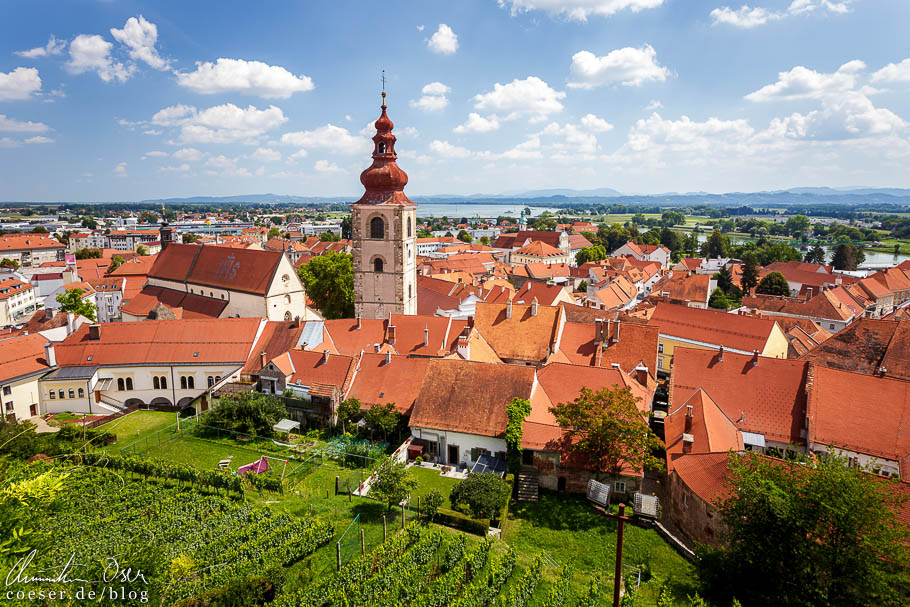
257,467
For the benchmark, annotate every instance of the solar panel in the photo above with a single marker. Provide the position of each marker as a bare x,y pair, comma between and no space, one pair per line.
489,464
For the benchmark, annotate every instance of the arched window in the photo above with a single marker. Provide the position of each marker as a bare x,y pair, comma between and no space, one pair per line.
52,394
60,393
377,265
381,147
211,380
190,382
163,383
377,228
120,386
409,227
81,393
183,382
129,383
72,393
287,315
287,300
156,383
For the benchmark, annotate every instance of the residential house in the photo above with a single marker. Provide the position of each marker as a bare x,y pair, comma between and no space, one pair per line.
693,291
644,252
381,378
523,334
317,381
17,301
23,360
868,346
31,250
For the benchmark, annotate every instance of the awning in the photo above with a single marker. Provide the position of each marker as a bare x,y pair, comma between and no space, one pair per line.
755,440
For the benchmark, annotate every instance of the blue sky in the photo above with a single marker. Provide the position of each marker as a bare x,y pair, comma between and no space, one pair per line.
135,100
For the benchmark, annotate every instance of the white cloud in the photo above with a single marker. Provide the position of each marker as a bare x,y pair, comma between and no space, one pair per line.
324,166
419,28
844,116
226,167
17,126
429,103
39,139
93,53
579,10
595,124
19,84
224,123
328,137
530,149
686,135
141,36
188,154
893,72
444,41
411,132
747,17
298,154
803,83
435,88
529,97
478,124
120,170
444,148
654,105
154,154
53,47
240,76
266,155
627,66
181,168
8,142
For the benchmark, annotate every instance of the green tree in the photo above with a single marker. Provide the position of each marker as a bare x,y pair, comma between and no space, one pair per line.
815,255
142,250
810,532
717,245
516,412
346,226
718,299
274,233
607,427
189,238
393,482
383,417
9,263
797,225
90,223
481,495
71,301
148,217
39,230
88,254
672,218
463,236
847,256
724,280
583,286
773,284
329,282
430,503
485,240
251,413
116,262
329,237
749,279
348,411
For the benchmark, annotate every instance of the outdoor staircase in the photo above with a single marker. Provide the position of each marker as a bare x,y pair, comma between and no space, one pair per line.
528,484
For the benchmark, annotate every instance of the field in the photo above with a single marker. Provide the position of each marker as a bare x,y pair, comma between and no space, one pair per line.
137,425
427,480
622,218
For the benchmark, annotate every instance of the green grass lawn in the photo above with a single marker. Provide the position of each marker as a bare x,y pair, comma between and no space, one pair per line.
568,529
136,426
429,479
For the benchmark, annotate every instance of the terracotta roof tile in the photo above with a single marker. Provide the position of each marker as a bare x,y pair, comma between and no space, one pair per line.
276,337
744,333
244,270
469,397
192,305
706,474
523,336
22,356
711,429
11,287
378,382
346,338
25,242
537,248
307,368
865,346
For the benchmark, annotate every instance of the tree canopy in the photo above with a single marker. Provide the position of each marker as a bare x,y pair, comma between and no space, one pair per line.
815,255
393,481
329,282
87,253
847,256
250,413
329,237
71,301
383,417
749,279
481,495
807,533
773,284
607,427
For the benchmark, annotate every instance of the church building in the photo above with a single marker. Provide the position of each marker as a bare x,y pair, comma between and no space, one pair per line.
384,234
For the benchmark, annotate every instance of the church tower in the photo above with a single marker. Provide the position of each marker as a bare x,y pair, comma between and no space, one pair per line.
384,234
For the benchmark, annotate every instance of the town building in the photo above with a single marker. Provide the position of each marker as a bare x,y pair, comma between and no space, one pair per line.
31,250
23,360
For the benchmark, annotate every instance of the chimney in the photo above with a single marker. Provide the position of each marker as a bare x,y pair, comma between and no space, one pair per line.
358,322
616,332
391,334
534,305
49,355
689,415
641,374
598,330
426,335
377,348
262,360
94,332
509,308
325,357
48,313
615,366
70,323
720,354
754,358
388,358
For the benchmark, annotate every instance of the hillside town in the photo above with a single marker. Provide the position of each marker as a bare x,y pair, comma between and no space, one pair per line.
448,322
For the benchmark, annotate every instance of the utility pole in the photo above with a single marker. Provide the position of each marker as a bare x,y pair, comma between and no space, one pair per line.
621,519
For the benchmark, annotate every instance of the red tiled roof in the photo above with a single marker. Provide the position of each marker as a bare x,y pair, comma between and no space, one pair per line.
25,242
410,332
11,287
523,336
223,340
563,383
770,397
23,355
686,288
546,294
867,345
307,368
378,382
711,429
193,306
860,413
706,474
347,339
244,270
276,337
537,248
137,266
469,397
744,333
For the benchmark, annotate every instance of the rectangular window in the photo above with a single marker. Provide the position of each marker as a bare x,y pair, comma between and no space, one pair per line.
660,348
7,390
52,394
660,362
619,486
71,393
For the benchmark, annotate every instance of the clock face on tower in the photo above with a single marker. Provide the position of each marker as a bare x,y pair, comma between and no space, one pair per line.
384,233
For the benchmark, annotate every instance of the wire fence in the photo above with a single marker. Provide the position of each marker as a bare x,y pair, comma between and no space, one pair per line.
349,544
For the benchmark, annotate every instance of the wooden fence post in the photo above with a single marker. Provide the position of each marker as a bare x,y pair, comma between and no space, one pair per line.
363,544
338,554
385,534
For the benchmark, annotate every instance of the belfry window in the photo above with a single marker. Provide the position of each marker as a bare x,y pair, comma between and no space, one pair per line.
377,228
380,149
377,265
409,227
